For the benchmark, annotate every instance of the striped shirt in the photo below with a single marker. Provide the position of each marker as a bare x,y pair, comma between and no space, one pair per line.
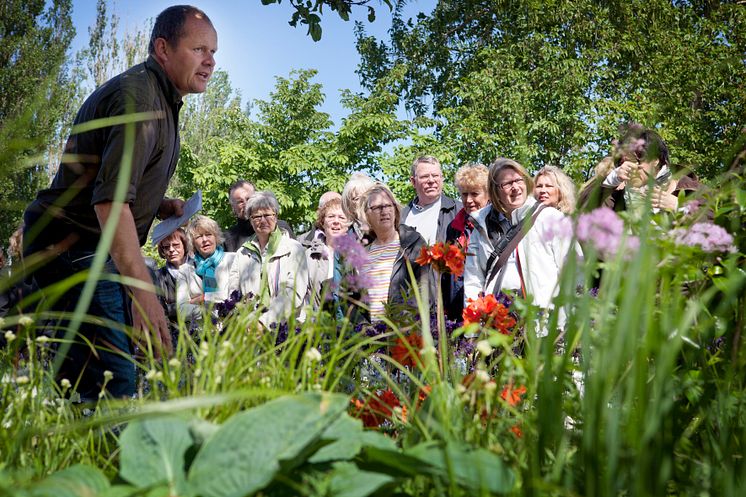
379,267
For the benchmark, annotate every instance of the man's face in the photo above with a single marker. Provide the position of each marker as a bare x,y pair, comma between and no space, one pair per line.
239,197
190,63
427,182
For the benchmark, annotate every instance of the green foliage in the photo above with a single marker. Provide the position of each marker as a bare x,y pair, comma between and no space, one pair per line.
34,37
549,82
287,147
308,13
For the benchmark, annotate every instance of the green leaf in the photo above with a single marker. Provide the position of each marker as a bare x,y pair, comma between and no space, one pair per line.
477,470
349,438
153,453
347,480
245,453
75,481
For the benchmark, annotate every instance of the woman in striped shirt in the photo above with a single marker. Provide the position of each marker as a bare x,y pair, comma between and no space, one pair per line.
392,246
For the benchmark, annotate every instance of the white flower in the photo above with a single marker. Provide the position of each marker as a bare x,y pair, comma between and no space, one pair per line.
9,336
25,321
482,375
42,339
174,363
8,424
313,355
227,345
34,393
159,376
101,394
198,372
65,383
484,347
204,349
108,375
150,375
22,380
490,386
317,387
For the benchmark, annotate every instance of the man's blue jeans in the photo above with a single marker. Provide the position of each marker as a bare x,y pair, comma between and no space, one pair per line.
97,347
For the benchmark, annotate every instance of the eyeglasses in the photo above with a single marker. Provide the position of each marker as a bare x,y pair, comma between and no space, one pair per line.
429,177
380,208
259,217
506,185
172,246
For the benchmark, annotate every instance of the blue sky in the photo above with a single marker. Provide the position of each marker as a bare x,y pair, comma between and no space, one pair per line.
255,42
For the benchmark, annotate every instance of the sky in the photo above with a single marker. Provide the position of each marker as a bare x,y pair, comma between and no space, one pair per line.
256,43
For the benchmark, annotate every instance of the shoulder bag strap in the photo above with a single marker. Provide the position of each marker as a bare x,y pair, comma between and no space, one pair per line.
513,237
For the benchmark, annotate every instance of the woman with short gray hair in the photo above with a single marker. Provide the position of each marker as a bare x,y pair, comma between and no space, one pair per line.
272,266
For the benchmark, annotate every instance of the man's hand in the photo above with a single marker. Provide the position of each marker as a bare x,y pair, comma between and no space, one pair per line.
664,200
171,207
148,314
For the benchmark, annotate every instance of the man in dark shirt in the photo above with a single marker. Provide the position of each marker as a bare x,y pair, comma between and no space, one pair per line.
239,193
118,162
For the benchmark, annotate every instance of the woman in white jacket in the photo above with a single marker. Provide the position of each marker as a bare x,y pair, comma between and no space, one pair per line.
272,266
212,277
533,269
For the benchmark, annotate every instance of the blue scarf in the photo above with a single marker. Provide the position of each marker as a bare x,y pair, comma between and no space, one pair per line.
206,269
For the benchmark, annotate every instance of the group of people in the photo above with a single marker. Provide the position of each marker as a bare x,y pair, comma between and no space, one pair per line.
503,212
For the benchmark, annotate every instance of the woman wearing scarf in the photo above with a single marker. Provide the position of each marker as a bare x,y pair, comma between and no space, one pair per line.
272,265
213,276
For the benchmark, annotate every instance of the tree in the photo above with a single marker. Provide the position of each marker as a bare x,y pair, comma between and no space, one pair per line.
549,82
308,12
286,145
34,37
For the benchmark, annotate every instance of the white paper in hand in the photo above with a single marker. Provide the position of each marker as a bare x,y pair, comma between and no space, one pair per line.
171,224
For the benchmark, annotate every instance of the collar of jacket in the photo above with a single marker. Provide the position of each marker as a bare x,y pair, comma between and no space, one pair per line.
521,212
169,89
446,204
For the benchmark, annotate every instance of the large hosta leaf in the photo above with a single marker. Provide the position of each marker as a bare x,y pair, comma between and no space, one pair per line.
153,453
245,454
75,481
347,480
348,438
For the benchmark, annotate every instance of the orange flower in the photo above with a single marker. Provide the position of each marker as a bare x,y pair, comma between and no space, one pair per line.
487,311
455,260
377,408
423,393
516,429
513,395
406,351
444,257
424,258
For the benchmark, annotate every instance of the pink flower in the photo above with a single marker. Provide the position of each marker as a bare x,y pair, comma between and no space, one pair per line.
708,237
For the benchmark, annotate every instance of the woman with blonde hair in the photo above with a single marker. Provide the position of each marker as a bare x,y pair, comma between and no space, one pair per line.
554,188
352,194
212,277
522,256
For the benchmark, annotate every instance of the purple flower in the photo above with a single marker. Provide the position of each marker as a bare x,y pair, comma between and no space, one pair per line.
603,229
708,237
351,251
561,229
356,281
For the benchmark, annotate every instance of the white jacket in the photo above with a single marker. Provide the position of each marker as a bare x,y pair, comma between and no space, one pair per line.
541,256
189,285
287,276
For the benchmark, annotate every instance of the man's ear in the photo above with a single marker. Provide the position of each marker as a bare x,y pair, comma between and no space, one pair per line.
162,49
411,179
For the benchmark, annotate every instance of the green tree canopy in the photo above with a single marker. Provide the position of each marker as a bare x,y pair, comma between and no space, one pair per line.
549,82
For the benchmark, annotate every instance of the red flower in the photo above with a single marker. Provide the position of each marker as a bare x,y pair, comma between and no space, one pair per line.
487,311
513,395
424,258
376,409
444,257
407,355
516,429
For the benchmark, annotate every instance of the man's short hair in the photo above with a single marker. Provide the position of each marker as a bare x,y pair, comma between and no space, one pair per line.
429,159
169,24
240,183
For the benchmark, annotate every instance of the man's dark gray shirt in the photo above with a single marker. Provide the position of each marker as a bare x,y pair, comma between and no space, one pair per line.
88,174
